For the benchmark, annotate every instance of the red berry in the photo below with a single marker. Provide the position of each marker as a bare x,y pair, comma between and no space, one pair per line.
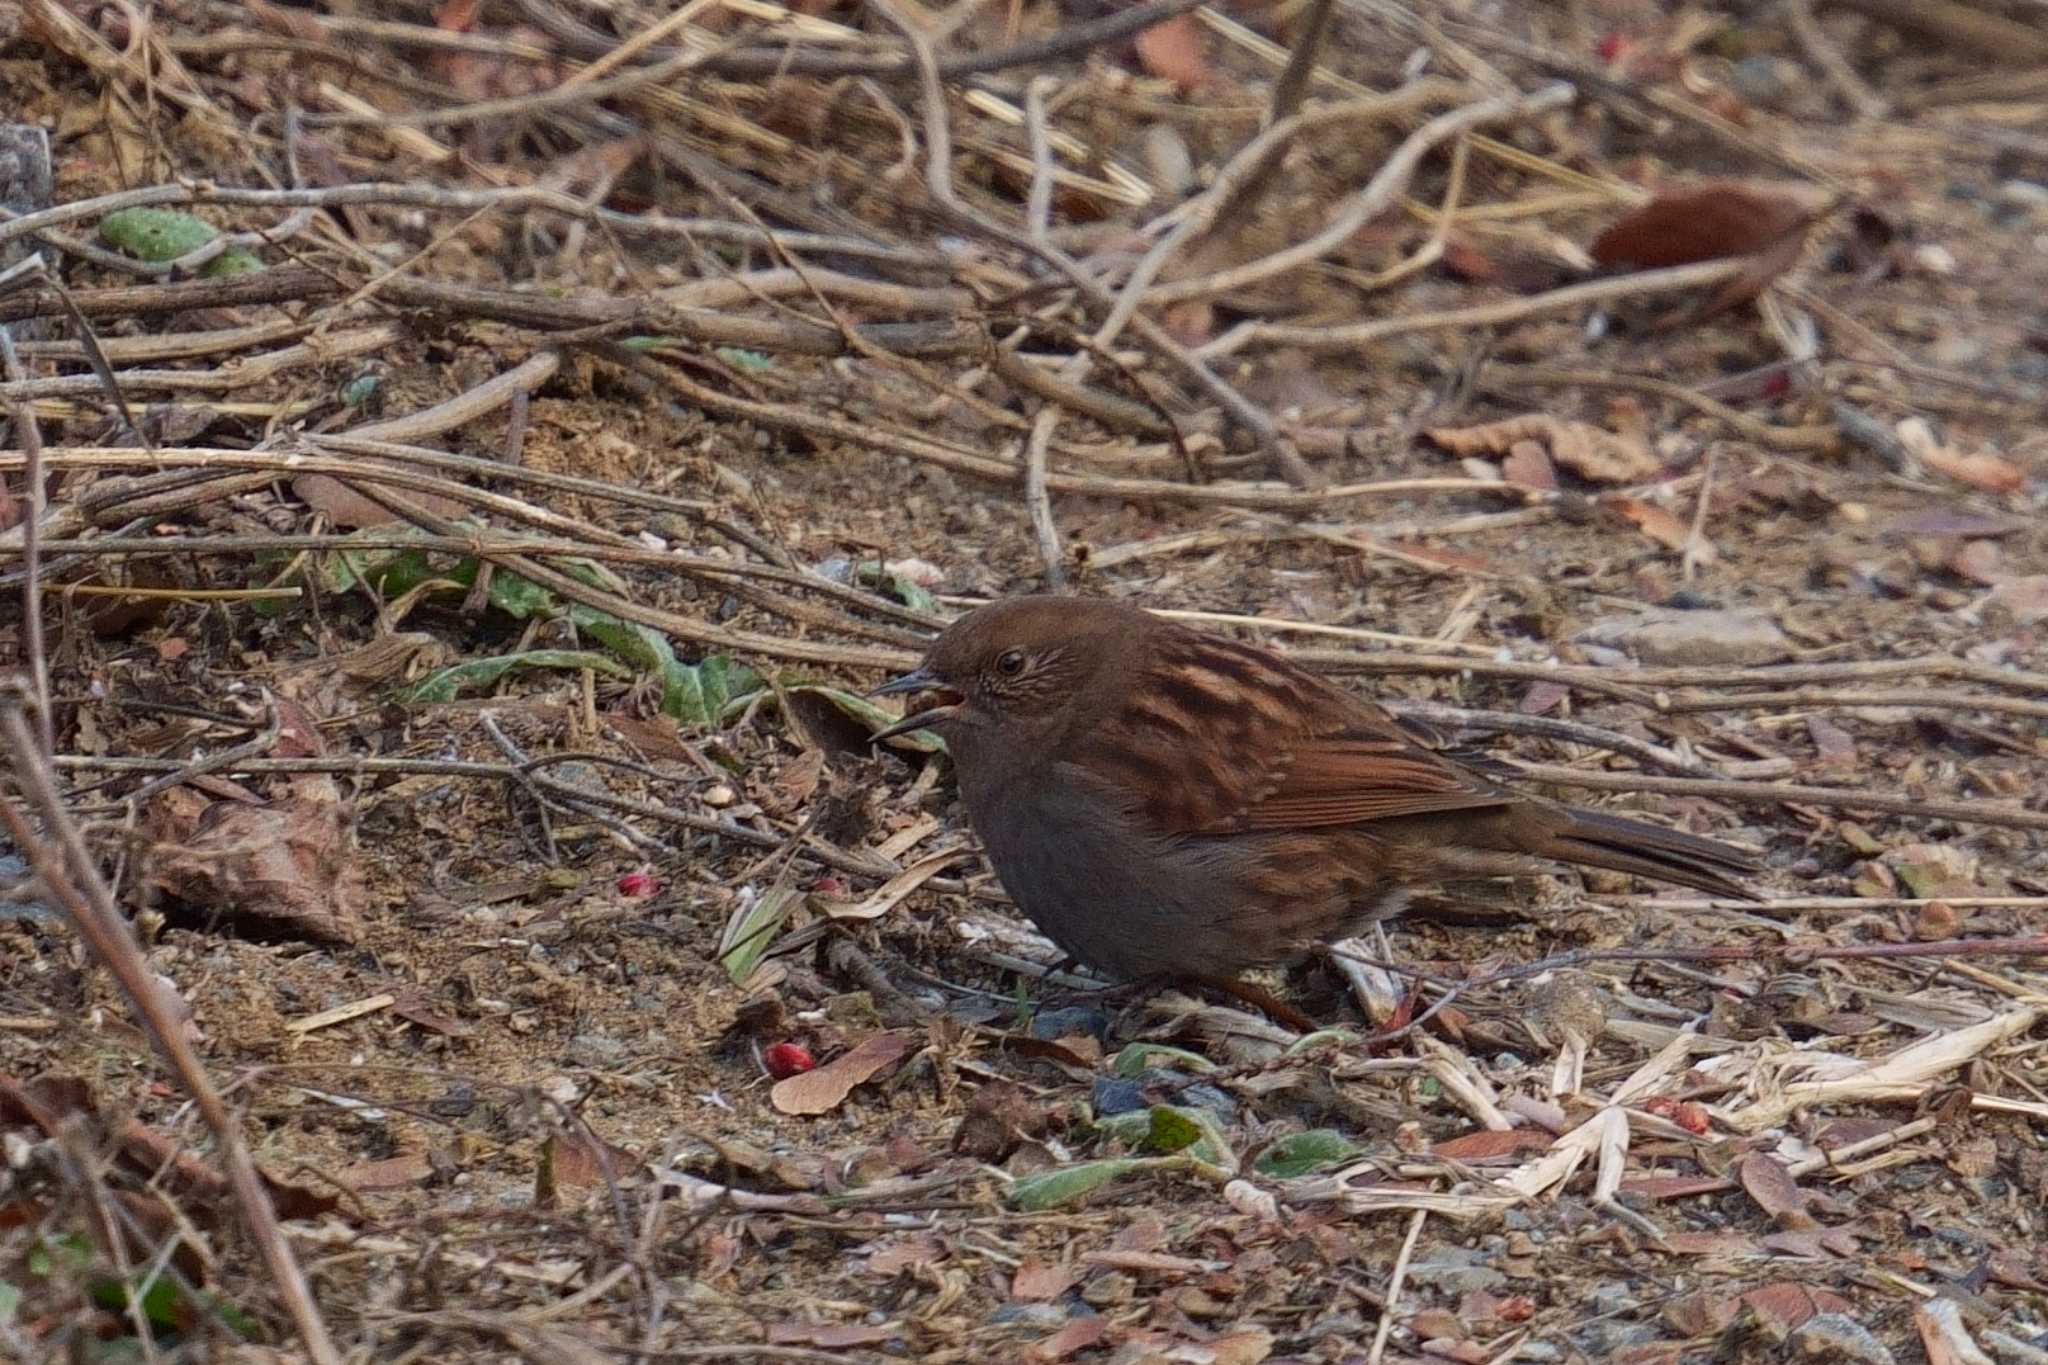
1612,45
784,1060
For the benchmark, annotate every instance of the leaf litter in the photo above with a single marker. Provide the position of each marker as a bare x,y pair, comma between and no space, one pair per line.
565,1107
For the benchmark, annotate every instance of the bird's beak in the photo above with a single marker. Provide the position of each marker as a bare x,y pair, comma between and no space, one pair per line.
941,708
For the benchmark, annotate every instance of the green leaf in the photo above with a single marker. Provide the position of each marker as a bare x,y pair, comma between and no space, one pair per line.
742,359
236,260
517,597
749,937
1169,1129
160,235
156,234
700,693
1066,1184
647,650
451,682
1133,1060
912,595
1165,1129
897,585
1300,1154
1321,1036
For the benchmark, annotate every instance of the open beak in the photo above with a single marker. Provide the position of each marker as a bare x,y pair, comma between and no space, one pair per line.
932,713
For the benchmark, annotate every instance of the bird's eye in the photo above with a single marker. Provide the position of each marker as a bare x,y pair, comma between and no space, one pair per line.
1010,662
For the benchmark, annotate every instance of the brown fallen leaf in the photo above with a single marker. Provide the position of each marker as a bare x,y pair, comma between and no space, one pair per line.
820,1091
290,868
1078,1335
1528,466
1037,1281
1489,1143
1785,1304
1173,51
344,506
1993,473
1662,526
1603,456
1980,469
1766,1180
830,1336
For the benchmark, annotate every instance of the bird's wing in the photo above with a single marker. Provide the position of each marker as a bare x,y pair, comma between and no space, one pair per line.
1214,737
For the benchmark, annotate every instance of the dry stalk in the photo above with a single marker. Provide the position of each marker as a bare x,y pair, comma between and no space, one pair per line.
70,878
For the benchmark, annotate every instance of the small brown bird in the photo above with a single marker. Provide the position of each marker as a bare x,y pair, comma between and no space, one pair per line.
1167,803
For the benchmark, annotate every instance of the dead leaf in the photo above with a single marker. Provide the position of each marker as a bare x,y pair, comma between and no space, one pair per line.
1833,746
582,1160
2026,598
344,506
1491,1143
820,1091
1603,456
1980,469
830,1336
289,868
1173,51
1038,1282
1786,1303
1662,526
1766,1180
1528,466
392,1173
1077,1335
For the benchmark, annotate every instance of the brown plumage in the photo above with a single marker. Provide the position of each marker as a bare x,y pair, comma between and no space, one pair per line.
1165,802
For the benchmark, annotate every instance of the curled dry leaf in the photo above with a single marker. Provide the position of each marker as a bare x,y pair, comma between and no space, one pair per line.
1603,456
287,868
823,1090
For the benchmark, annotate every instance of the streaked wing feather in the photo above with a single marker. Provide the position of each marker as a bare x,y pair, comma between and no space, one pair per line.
1343,780
1216,737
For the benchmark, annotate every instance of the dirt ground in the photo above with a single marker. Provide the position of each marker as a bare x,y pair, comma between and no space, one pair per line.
618,1005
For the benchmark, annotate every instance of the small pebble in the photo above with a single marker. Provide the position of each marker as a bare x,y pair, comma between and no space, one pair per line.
1935,259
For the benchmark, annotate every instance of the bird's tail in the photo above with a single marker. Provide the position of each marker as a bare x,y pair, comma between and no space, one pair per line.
1594,838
